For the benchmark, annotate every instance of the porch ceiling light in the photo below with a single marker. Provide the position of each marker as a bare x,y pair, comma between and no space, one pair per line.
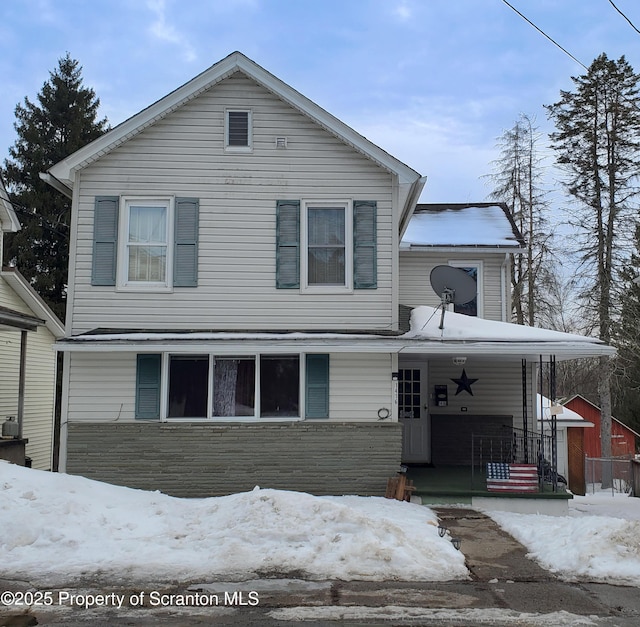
459,361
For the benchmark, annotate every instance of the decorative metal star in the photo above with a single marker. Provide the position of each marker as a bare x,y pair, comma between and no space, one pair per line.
464,383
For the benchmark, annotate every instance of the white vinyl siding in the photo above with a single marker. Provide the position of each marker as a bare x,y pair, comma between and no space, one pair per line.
360,385
103,386
416,266
183,155
39,383
498,390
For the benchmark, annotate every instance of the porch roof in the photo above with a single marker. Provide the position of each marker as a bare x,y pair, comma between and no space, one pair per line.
229,342
9,318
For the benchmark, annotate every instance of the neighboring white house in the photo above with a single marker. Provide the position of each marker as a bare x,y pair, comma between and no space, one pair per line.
239,295
28,331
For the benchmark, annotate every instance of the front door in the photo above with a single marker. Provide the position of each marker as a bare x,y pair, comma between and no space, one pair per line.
413,414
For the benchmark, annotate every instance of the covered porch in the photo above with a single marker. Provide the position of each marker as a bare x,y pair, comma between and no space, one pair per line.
457,485
468,399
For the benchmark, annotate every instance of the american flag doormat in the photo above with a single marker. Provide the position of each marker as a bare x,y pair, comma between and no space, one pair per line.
503,477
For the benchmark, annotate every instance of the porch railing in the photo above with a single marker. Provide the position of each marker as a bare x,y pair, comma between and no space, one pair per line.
518,448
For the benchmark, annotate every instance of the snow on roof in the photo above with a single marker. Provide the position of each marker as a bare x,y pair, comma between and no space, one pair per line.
567,415
480,224
425,323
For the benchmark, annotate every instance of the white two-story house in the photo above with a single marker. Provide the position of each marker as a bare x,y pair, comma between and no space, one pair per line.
239,290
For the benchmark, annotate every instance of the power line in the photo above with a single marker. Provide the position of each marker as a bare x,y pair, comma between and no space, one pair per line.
624,16
553,41
44,222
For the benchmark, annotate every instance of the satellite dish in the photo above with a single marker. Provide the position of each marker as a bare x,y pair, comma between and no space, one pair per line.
452,285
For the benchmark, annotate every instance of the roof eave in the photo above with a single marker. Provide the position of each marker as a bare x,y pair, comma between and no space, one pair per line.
33,300
448,248
282,342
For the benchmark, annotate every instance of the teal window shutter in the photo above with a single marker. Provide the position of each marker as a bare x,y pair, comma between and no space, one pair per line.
317,386
288,244
148,386
105,240
185,261
365,254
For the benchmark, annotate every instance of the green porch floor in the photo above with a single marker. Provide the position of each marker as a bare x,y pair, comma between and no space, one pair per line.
457,484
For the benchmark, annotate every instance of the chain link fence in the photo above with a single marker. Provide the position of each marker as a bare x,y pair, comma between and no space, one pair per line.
611,474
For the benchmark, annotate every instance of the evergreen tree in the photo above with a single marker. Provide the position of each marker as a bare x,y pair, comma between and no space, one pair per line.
63,120
517,180
597,144
627,340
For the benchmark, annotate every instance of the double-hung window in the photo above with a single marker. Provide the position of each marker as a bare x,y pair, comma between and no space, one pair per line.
145,236
327,249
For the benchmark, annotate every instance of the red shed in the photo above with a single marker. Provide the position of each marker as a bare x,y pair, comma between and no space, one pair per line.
623,438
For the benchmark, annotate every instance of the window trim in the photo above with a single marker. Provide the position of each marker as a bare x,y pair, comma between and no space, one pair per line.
210,418
122,259
347,205
249,146
478,264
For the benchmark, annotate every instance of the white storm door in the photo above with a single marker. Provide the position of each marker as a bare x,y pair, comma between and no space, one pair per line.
413,414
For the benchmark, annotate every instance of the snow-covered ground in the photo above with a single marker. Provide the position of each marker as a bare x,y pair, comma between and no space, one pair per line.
599,541
58,529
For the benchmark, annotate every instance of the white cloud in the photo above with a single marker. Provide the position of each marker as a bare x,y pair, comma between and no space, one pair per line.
164,31
403,11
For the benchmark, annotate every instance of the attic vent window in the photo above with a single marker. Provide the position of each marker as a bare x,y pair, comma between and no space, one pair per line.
238,130
281,142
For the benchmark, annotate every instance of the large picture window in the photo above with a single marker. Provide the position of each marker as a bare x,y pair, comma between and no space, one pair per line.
207,386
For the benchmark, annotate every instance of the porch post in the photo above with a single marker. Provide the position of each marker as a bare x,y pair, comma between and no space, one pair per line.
525,416
21,380
554,423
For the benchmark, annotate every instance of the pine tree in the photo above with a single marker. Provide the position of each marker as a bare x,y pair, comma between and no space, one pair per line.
597,145
517,182
63,120
627,339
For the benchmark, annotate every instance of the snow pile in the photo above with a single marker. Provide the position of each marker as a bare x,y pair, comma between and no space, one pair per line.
599,542
58,528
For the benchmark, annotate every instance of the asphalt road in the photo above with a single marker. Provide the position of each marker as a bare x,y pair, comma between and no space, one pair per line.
506,588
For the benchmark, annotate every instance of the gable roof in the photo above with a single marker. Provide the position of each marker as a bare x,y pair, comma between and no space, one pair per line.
486,225
64,172
588,402
8,220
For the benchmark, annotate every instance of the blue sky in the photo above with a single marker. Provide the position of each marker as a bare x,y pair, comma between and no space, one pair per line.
433,82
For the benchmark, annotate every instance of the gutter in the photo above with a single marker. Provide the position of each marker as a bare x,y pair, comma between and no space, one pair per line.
56,184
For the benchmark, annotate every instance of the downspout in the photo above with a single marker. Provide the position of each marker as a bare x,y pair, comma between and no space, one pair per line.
506,295
22,380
